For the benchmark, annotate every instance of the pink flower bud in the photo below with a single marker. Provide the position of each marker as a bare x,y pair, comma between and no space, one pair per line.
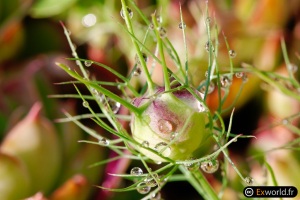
173,124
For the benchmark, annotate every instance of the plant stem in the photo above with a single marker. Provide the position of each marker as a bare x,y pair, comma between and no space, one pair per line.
199,182
161,53
150,83
91,84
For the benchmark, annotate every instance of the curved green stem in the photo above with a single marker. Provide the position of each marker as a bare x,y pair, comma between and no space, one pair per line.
161,53
150,83
91,84
199,182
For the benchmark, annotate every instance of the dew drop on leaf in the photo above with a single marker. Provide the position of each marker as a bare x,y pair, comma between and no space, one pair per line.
207,46
137,60
136,171
173,135
130,13
210,166
162,32
145,144
137,71
163,148
232,53
292,67
211,87
151,26
78,63
249,180
142,188
165,126
69,32
206,74
192,166
158,19
113,105
88,63
104,141
225,81
245,78
150,180
156,196
85,104
239,74
182,25
208,20
94,91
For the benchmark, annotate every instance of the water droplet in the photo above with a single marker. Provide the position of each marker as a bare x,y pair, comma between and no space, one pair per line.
151,181
163,148
158,162
206,74
245,78
239,74
75,47
137,60
249,180
162,32
232,53
99,98
104,141
89,20
78,63
192,166
130,13
210,166
145,144
88,63
113,105
182,25
208,20
292,67
137,71
94,91
225,81
156,196
142,188
165,126
85,104
211,87
68,32
74,54
151,26
136,171
207,46
158,18
173,135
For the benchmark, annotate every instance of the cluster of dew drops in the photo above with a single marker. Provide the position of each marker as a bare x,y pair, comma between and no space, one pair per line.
151,180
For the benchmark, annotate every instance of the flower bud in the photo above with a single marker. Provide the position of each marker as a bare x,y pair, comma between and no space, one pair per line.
34,141
173,124
14,178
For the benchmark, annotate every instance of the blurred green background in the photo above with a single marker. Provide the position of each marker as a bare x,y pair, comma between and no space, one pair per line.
32,40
